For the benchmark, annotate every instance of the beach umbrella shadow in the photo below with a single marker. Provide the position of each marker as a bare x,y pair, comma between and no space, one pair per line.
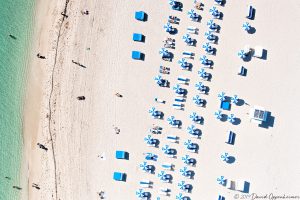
231,159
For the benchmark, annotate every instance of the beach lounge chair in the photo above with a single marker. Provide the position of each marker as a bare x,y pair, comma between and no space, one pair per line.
172,138
230,184
122,155
179,99
137,37
192,29
221,197
231,138
164,191
182,80
140,15
177,106
243,71
118,176
225,105
188,54
137,55
168,166
240,185
250,12
145,183
258,52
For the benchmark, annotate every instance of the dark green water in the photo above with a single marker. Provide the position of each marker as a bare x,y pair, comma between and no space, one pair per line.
16,19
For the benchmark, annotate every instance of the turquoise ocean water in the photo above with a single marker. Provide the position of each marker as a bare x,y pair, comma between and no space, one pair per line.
16,18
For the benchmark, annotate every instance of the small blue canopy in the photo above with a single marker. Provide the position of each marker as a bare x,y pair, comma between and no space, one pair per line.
225,105
122,155
137,37
140,15
137,55
118,176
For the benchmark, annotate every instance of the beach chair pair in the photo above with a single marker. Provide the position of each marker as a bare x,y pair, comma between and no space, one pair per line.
145,183
172,138
250,12
164,191
192,29
177,106
179,99
188,54
243,71
231,138
167,166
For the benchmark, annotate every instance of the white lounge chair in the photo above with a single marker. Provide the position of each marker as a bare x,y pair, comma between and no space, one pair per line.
192,29
172,138
230,184
168,166
240,185
188,54
178,99
177,106
164,191
145,183
182,80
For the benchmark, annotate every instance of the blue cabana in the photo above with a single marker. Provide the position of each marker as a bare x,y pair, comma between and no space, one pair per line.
225,105
137,37
140,15
118,176
122,155
137,55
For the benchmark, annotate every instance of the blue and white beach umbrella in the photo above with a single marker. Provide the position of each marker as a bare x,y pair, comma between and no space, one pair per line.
178,89
192,14
184,171
168,27
187,38
140,193
235,99
149,140
171,120
204,60
186,159
221,96
209,35
166,149
225,157
162,175
242,54
200,86
180,196
183,63
182,185
231,118
212,25
163,52
246,26
153,111
218,114
207,47
202,73
214,12
172,2
192,130
221,180
194,117
144,166
189,145
158,79
197,100
219,2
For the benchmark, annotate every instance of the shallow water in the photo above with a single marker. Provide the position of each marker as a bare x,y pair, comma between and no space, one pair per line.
15,19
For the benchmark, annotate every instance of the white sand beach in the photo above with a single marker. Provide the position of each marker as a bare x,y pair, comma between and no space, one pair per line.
77,133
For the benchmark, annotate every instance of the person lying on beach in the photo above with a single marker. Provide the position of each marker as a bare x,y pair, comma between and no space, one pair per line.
118,95
42,147
40,56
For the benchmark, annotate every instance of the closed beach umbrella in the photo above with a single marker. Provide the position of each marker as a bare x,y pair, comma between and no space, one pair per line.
163,52
200,86
183,63
168,27
197,100
218,114
214,12
187,38
235,99
207,47
140,193
225,157
209,35
231,118
246,26
194,117
202,73
242,54
212,25
204,60
221,180
221,96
